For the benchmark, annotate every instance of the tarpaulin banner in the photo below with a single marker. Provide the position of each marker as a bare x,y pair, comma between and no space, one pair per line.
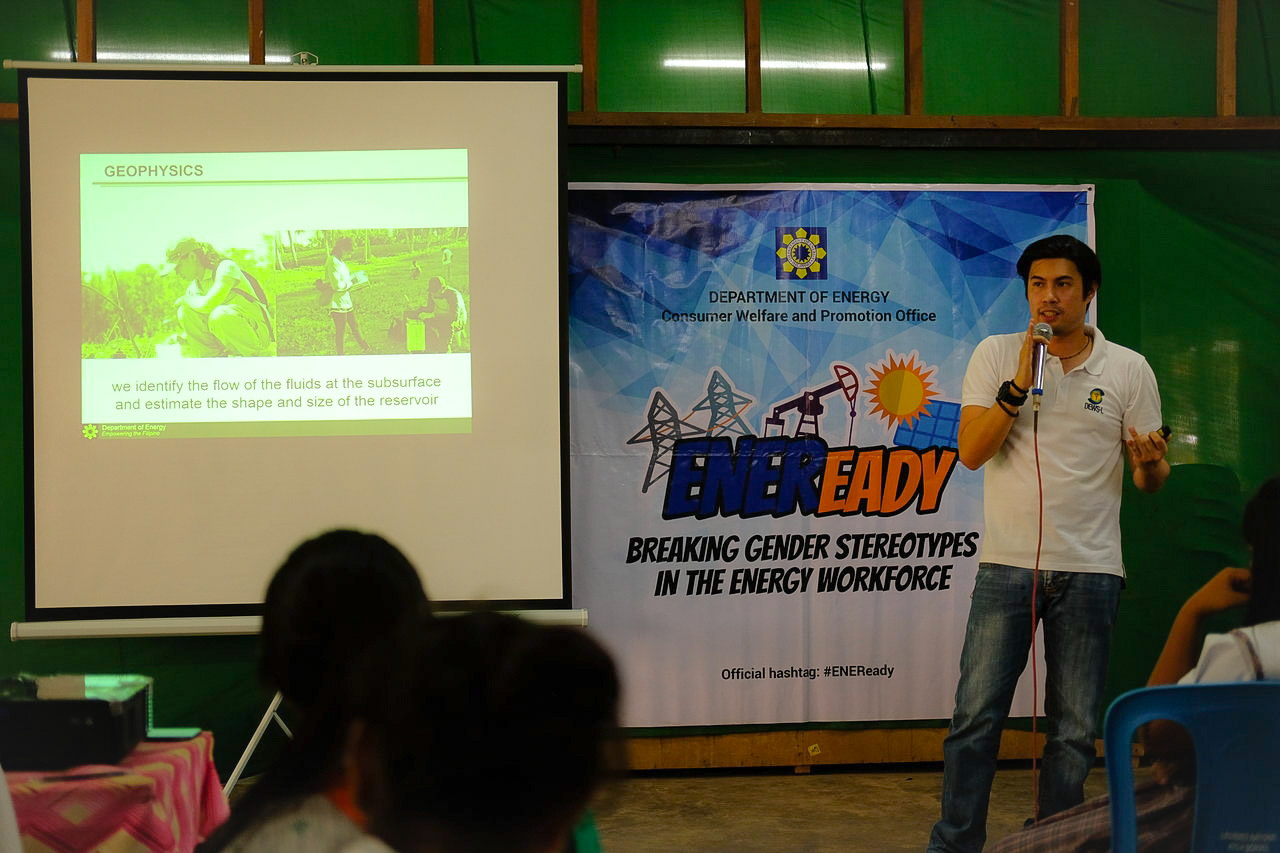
770,521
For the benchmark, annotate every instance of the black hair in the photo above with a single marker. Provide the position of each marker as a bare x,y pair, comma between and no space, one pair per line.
1068,248
1261,529
325,601
335,604
494,738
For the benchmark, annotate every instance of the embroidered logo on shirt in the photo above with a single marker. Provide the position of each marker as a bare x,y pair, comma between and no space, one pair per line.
1094,403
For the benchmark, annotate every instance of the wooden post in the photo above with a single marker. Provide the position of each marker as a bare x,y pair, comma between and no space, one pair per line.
1227,23
86,32
590,23
257,33
1069,58
913,55
751,14
426,32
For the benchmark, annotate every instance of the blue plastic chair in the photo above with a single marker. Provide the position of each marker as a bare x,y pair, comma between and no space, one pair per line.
1235,729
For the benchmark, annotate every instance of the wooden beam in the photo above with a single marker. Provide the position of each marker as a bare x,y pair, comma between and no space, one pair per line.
751,15
86,32
1227,22
590,36
426,32
924,122
927,139
1069,58
913,56
257,33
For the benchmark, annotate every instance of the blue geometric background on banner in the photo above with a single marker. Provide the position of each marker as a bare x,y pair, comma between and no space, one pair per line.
637,257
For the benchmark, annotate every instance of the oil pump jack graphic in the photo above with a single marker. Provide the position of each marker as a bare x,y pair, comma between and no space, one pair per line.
809,405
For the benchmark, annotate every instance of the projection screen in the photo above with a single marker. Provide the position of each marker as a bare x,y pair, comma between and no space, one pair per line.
266,304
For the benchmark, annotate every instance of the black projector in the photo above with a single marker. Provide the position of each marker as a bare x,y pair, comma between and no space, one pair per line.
60,721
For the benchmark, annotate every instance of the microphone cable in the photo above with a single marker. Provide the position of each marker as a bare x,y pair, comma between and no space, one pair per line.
1037,391
1035,582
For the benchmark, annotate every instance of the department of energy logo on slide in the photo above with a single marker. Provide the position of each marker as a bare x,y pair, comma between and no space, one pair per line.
801,253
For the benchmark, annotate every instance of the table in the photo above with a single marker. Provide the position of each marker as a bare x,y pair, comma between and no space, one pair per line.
164,795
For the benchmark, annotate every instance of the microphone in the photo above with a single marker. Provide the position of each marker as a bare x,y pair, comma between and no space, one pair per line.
1040,330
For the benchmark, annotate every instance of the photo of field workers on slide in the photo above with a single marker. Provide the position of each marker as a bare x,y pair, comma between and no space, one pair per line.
388,292
408,287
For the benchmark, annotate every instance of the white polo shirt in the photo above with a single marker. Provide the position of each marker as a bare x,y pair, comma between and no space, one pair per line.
1223,660
1084,419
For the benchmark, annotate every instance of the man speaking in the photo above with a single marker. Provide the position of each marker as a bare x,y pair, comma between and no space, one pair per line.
1097,402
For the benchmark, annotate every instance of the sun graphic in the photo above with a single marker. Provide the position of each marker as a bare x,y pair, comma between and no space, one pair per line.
901,388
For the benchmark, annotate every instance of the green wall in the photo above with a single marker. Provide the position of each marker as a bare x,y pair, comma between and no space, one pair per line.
1190,240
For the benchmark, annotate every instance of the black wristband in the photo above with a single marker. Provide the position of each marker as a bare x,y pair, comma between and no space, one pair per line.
1013,413
1006,395
1016,387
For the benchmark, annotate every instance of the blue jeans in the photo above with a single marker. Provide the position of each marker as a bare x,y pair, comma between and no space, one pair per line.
1076,611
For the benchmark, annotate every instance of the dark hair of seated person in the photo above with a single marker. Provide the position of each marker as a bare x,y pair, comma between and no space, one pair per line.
1261,529
1168,741
494,738
332,605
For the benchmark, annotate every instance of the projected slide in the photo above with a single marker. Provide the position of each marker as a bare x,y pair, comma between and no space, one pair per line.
275,293
268,303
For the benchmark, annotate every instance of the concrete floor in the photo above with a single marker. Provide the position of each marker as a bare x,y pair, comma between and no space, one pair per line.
885,810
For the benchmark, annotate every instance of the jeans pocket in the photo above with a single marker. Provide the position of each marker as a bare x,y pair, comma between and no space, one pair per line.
983,576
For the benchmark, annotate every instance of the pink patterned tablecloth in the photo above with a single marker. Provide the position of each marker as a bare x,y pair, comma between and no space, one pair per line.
164,795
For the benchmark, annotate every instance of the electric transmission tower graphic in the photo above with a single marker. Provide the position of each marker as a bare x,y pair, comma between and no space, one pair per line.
663,429
725,405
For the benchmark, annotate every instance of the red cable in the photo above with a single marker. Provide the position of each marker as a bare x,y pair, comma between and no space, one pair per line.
1035,581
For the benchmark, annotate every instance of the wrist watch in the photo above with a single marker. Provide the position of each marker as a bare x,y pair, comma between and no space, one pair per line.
1006,394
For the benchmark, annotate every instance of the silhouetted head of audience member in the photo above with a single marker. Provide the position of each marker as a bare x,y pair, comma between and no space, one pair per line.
1261,528
493,737
336,606
327,602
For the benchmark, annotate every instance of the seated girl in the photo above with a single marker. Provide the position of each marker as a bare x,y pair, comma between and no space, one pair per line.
494,738
1164,803
329,609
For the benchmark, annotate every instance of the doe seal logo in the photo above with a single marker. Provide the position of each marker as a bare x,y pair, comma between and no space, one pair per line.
801,253
1095,400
